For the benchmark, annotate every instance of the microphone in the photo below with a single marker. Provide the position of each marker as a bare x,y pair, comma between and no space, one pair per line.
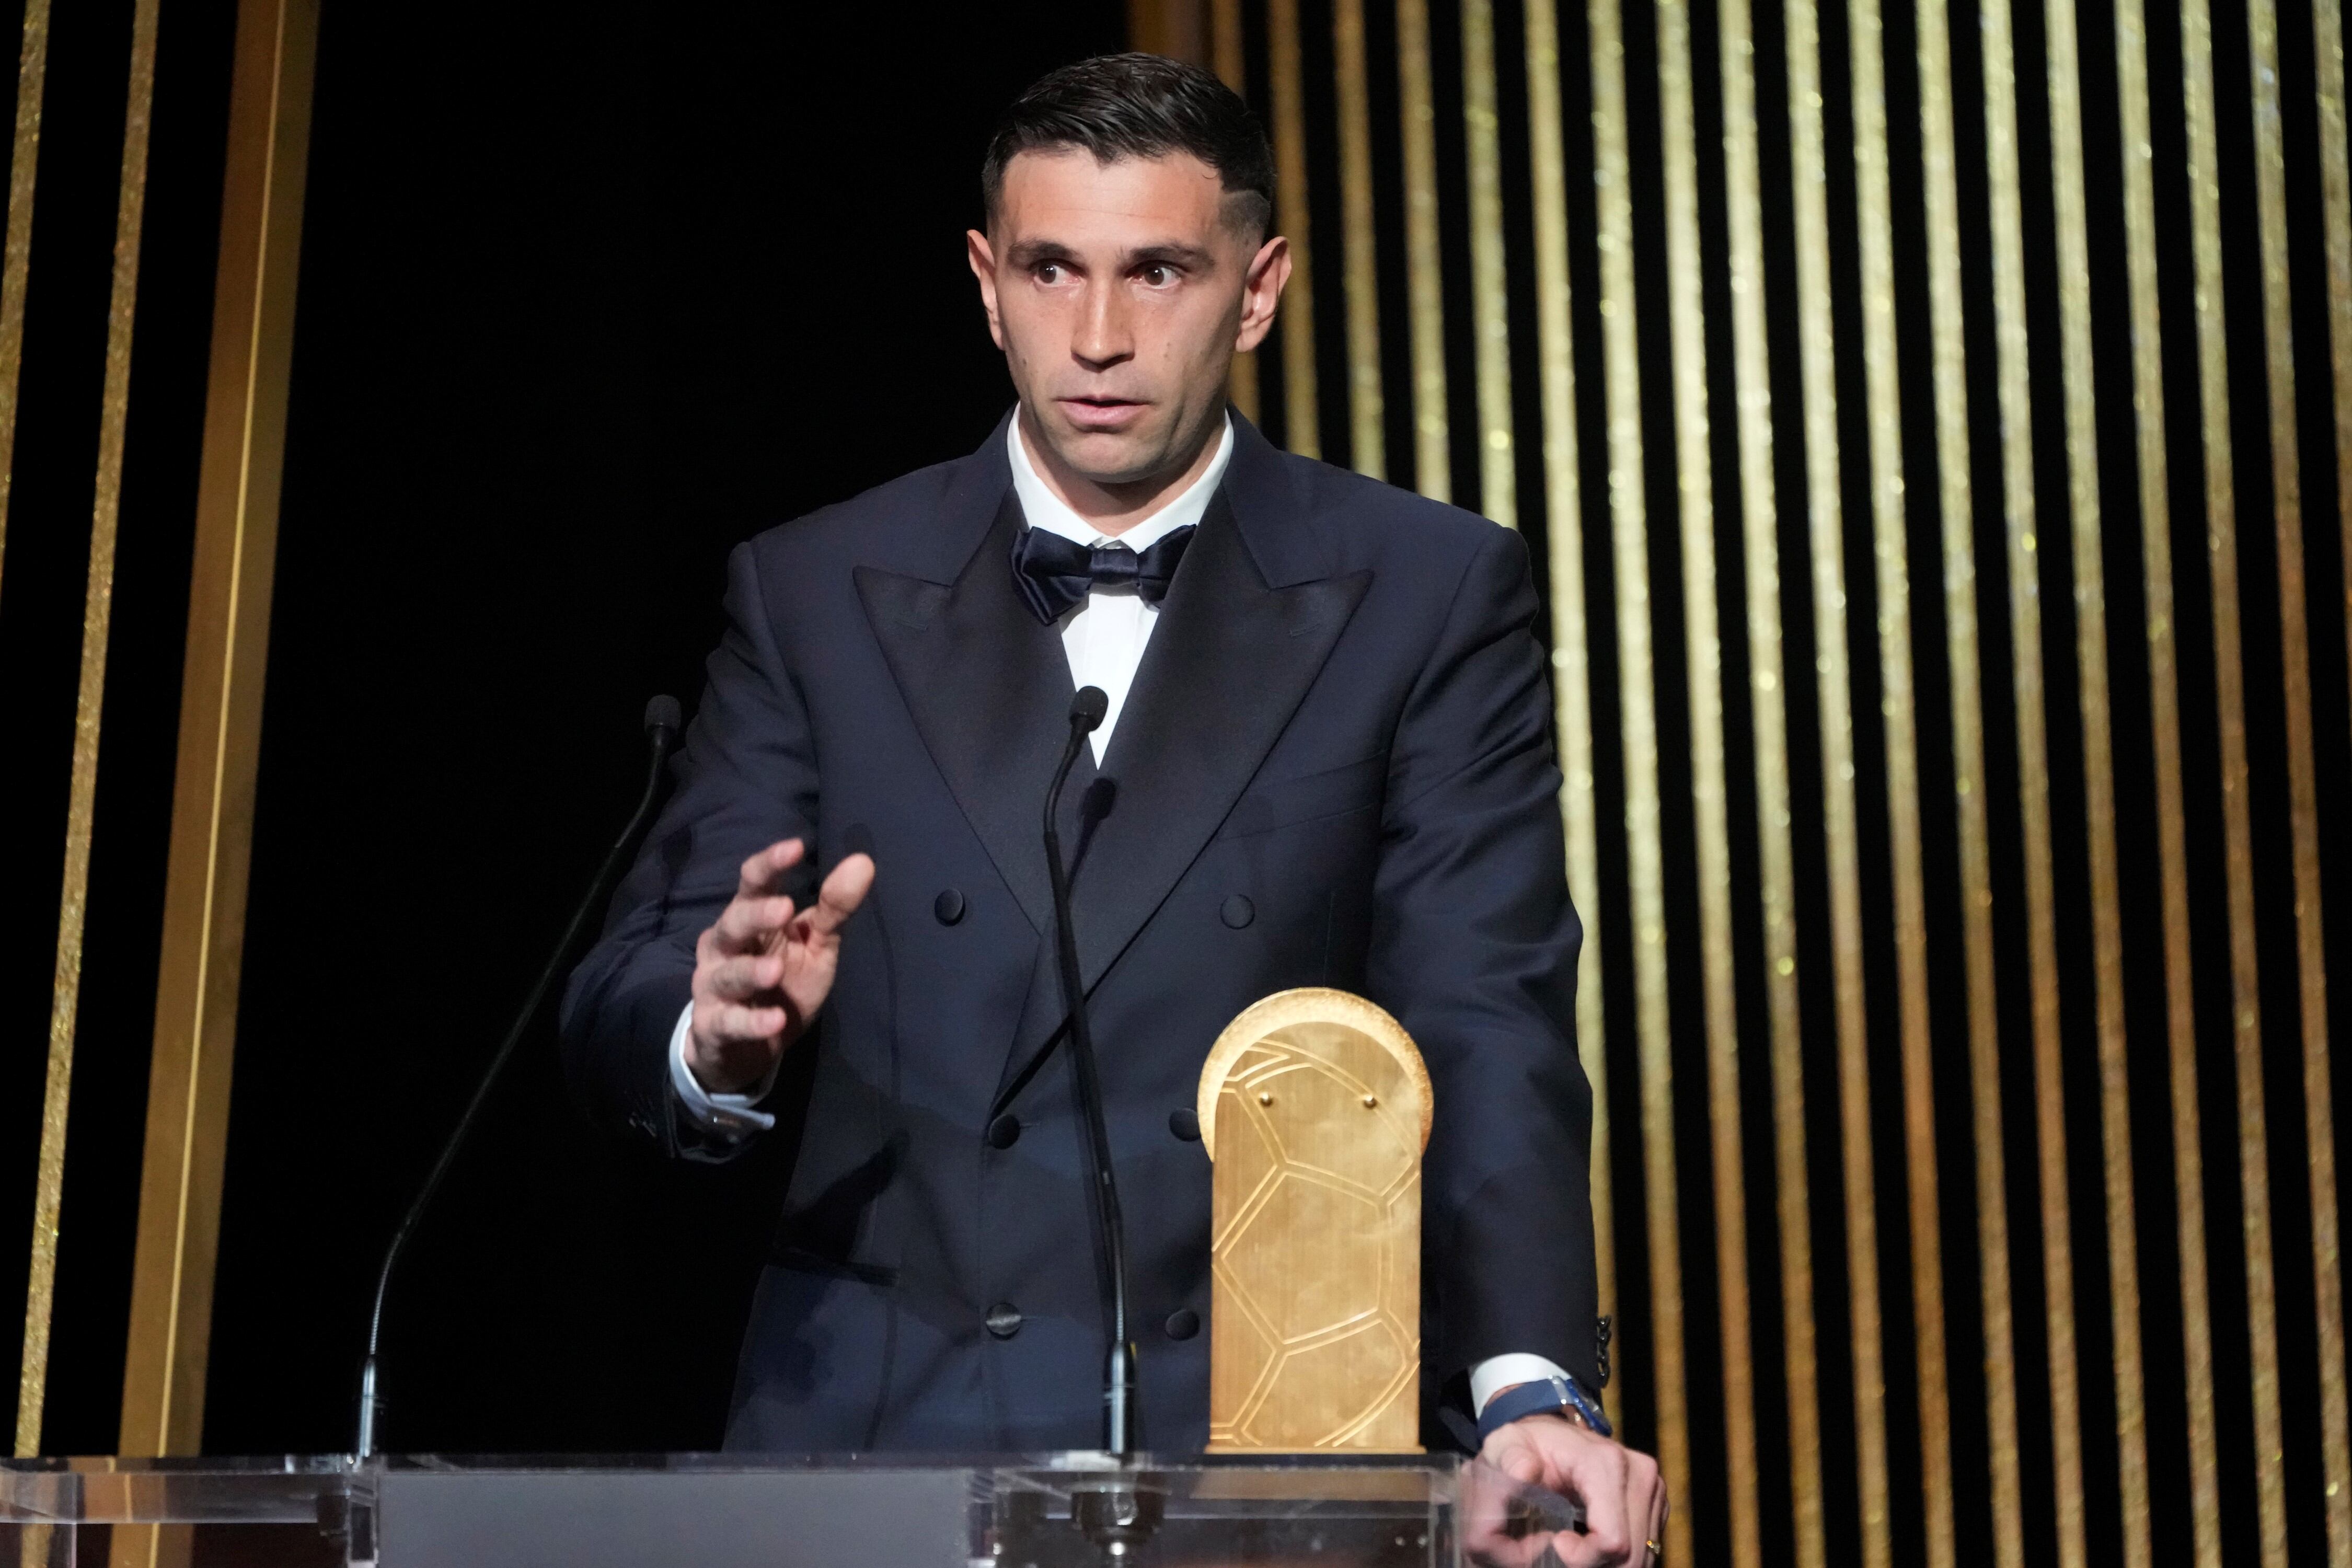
1086,710
663,723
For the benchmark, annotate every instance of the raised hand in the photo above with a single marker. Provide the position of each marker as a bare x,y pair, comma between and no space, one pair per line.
764,970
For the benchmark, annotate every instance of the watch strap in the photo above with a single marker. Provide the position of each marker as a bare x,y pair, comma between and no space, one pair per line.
1545,1396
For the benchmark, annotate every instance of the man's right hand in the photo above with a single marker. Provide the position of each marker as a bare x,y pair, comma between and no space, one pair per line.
763,971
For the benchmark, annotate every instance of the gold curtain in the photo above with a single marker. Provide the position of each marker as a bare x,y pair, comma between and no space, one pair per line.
1943,761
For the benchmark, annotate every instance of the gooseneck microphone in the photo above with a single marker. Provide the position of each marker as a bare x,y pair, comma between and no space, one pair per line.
1086,710
663,723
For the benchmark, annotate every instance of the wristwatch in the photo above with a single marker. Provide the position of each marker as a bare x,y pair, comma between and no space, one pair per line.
1545,1396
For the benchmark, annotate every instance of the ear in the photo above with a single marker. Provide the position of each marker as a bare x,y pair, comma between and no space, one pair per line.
983,267
1269,269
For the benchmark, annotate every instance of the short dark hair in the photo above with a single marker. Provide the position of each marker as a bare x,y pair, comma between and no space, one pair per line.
1138,106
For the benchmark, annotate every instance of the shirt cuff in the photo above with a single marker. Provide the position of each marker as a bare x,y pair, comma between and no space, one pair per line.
733,1115
1496,1374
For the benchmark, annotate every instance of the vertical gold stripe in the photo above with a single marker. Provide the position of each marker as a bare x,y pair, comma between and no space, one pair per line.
1703,651
2164,712
23,163
1645,861
2303,787
1175,29
1302,424
1490,303
2336,185
1571,660
1817,364
1769,721
1226,46
88,710
2335,207
1359,246
2070,209
230,581
1949,364
1898,707
1424,271
2013,375
2228,682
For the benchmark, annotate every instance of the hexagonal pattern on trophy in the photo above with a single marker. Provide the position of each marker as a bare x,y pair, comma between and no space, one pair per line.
1315,1108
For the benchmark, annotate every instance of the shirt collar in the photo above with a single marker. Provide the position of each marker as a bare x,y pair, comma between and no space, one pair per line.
1042,508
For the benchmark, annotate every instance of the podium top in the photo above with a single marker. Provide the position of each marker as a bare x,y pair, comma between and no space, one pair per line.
1027,1511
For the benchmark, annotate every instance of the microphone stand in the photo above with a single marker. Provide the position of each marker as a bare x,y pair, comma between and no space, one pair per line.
663,722
1115,1513
1086,711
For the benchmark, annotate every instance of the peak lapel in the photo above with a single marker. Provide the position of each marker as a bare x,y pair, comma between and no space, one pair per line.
990,691
1228,665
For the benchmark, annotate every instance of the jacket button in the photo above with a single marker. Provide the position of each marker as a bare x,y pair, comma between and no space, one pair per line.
1185,1124
1004,1132
1237,911
1004,1320
948,906
1182,1324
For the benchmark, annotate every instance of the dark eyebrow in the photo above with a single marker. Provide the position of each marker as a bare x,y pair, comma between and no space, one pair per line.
1035,252
1190,255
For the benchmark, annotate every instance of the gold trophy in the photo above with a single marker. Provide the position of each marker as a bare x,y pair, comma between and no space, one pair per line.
1315,1108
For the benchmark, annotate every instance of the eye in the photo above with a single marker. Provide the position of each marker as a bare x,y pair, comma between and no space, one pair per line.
1157,274
1049,272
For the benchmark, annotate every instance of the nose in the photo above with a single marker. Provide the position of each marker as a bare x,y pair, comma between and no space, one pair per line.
1104,336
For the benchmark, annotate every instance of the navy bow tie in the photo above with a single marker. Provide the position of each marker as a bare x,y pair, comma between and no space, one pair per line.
1055,575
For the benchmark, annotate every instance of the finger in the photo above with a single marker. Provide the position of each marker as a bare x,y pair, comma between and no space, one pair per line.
732,1022
750,925
841,893
1488,1494
741,978
1596,1478
1524,1552
1646,1505
1574,1550
761,871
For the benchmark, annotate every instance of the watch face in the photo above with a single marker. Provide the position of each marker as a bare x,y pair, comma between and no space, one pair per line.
1585,1410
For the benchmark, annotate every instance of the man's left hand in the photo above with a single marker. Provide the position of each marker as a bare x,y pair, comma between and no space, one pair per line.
1622,1493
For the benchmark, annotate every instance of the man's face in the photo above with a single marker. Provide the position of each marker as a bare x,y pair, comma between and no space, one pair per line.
1119,293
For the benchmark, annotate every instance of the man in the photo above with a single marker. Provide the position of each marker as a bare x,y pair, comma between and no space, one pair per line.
1325,761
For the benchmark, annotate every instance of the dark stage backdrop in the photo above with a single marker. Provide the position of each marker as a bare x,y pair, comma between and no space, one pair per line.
582,306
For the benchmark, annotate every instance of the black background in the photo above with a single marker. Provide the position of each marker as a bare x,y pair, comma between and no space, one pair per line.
581,307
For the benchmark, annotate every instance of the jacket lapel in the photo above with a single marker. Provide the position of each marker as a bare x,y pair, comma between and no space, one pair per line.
1246,626
988,687
1244,629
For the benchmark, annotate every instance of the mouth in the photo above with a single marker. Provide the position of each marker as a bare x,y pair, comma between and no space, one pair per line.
1098,413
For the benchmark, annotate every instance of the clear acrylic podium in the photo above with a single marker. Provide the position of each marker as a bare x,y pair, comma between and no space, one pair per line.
718,1511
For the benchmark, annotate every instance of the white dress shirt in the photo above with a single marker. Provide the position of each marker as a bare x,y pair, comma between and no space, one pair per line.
1103,639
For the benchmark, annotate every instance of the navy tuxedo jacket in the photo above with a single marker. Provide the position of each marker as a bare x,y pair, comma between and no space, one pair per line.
1334,769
